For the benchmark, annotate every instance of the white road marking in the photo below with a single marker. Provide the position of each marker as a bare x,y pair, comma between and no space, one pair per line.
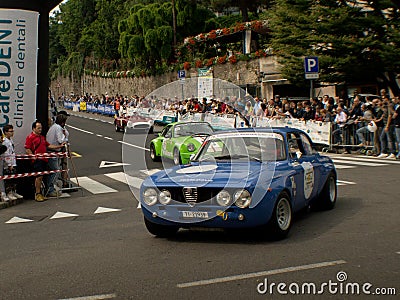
99,135
93,186
149,172
374,159
76,128
102,210
108,138
351,162
94,297
342,182
343,167
259,274
398,252
129,180
135,146
108,164
60,214
15,220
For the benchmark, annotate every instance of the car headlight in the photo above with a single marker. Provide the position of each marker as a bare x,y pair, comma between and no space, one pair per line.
224,198
242,198
164,197
150,196
191,147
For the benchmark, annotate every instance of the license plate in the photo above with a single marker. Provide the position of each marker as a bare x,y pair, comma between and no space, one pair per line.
195,214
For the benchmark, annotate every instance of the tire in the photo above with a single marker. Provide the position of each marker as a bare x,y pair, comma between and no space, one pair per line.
153,154
281,220
117,129
177,157
160,230
327,198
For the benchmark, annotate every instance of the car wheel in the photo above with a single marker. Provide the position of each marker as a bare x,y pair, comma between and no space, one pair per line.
177,157
153,154
117,128
281,219
327,198
160,230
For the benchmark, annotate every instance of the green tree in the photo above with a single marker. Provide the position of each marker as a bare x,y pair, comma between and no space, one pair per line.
354,44
244,6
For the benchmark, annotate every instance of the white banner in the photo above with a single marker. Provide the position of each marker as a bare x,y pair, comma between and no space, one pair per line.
18,71
319,132
205,84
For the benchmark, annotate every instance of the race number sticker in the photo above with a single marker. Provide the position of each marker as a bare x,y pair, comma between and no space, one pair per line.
308,179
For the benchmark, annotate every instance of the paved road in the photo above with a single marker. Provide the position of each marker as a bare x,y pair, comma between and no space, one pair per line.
103,249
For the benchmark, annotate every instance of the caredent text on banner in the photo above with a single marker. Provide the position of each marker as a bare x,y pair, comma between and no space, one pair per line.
18,71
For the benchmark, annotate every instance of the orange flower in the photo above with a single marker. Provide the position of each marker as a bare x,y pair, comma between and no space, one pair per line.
232,59
212,34
186,65
199,63
226,31
222,59
210,62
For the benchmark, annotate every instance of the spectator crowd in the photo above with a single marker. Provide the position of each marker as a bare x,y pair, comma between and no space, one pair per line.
371,121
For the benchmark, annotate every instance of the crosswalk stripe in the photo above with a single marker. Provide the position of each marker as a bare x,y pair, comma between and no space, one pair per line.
149,172
374,159
343,166
343,182
351,162
127,179
93,186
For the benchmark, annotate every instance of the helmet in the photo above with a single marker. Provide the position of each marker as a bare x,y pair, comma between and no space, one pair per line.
372,126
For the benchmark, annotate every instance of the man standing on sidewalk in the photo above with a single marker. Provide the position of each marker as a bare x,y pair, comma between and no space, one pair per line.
387,140
36,144
55,136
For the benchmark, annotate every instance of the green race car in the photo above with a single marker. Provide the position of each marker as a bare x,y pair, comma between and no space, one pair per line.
179,140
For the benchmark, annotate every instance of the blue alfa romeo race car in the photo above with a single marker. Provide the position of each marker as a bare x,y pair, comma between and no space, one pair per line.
243,178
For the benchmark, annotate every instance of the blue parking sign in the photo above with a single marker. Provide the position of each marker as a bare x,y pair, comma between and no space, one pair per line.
181,74
311,65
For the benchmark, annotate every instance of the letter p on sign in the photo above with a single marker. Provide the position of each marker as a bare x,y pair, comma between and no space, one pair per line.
311,65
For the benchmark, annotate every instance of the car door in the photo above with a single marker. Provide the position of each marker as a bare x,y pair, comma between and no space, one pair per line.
311,161
166,143
298,170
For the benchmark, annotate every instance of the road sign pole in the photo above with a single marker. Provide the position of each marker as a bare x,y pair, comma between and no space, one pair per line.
183,95
311,88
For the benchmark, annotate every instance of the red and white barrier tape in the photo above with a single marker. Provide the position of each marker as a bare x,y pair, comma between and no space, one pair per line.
30,174
41,155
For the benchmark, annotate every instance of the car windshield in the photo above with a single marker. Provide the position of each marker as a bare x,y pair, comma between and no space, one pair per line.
252,146
189,129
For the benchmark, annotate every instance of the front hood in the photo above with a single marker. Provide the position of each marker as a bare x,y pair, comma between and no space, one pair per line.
236,174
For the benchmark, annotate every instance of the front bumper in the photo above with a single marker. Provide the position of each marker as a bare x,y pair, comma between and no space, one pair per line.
210,216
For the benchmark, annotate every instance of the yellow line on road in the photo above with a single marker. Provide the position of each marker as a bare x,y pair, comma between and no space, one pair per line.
76,154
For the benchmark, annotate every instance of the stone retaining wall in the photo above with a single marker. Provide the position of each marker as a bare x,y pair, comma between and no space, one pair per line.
240,73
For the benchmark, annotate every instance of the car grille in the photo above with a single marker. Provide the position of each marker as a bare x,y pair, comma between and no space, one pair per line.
141,126
193,195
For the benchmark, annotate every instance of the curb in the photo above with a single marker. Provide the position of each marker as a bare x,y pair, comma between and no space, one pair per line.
10,203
